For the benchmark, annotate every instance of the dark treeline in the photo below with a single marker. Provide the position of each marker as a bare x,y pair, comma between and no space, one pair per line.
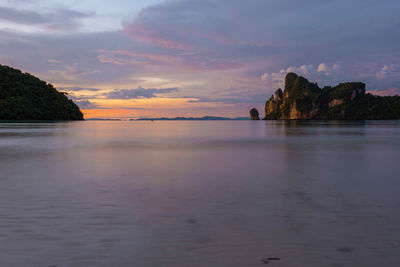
25,97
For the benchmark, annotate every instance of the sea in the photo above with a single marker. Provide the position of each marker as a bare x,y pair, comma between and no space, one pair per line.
200,193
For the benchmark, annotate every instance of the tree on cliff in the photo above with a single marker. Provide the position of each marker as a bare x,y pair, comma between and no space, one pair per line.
25,97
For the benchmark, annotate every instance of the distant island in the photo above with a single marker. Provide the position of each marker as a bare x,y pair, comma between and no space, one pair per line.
302,100
25,97
205,118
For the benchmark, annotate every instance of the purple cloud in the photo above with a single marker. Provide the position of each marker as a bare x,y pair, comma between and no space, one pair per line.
267,36
140,92
86,104
60,19
78,89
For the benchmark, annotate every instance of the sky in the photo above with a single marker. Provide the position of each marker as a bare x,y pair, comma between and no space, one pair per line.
168,58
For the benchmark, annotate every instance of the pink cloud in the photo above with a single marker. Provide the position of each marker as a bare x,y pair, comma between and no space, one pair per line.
72,72
388,92
388,71
217,37
55,61
323,73
141,33
184,62
127,57
145,34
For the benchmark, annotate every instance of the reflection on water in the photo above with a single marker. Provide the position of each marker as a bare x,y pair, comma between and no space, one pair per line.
203,193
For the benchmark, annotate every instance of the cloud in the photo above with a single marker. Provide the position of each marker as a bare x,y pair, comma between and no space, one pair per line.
79,64
379,78
322,37
60,19
73,72
128,57
324,74
388,92
138,93
225,28
389,71
79,97
165,61
229,100
78,89
86,104
54,61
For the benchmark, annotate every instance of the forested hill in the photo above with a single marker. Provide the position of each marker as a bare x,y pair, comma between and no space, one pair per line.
25,97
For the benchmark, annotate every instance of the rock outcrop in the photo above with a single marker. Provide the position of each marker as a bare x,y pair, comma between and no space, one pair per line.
302,100
25,97
254,115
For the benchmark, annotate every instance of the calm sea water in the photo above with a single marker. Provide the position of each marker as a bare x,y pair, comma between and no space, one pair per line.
202,193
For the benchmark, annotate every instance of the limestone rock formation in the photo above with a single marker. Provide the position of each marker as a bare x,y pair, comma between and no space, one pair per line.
302,100
254,115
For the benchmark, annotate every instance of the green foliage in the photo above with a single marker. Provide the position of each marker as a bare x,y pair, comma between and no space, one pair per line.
334,113
301,91
375,108
286,109
345,91
25,97
275,115
296,84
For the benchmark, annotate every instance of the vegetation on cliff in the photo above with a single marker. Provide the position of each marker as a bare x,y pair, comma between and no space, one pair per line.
25,97
347,101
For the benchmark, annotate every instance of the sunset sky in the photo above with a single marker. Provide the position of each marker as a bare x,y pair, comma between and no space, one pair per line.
153,58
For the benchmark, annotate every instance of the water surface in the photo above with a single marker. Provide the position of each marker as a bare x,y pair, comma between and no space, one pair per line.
199,193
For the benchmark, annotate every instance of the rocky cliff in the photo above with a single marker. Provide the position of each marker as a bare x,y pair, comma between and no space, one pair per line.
254,115
25,97
302,100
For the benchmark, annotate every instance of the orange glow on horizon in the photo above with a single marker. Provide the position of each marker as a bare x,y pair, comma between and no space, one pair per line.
156,107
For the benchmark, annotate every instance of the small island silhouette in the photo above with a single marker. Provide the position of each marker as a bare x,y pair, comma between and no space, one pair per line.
25,97
302,100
